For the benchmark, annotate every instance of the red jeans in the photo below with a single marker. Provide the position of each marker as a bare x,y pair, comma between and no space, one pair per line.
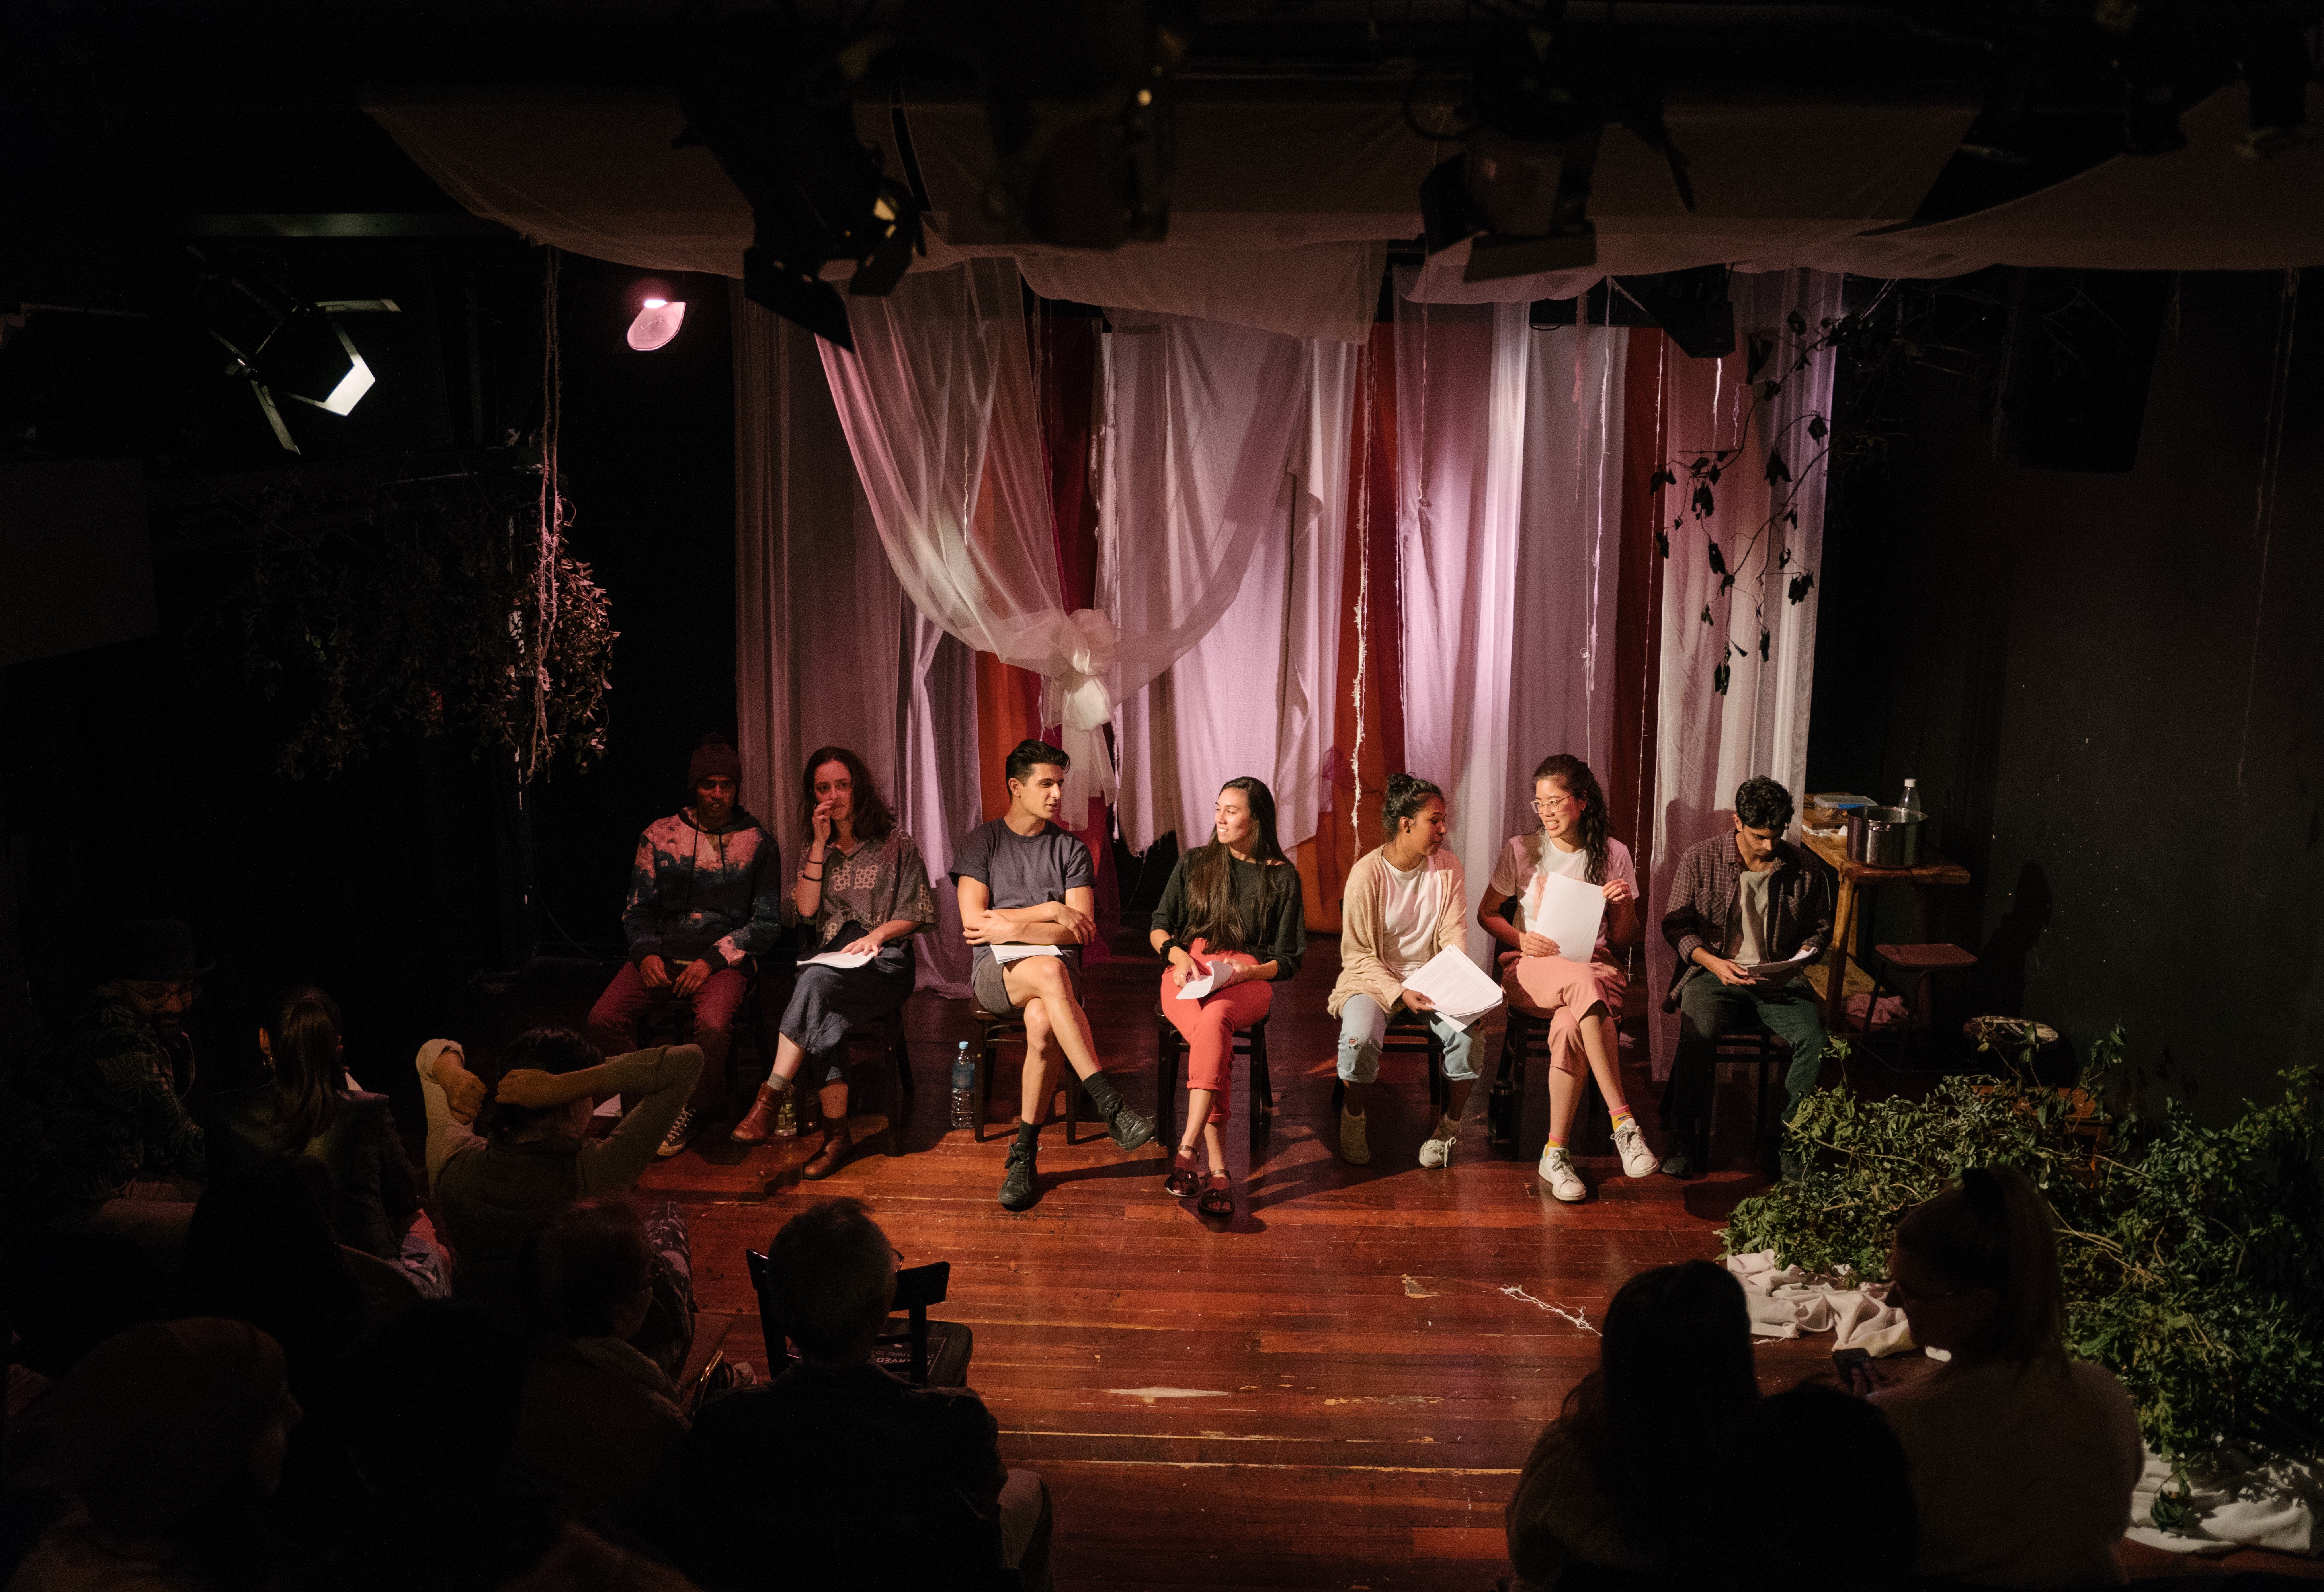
1561,990
613,1020
1209,1025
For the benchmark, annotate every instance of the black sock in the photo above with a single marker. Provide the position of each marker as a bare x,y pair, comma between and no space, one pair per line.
1029,1136
1102,1093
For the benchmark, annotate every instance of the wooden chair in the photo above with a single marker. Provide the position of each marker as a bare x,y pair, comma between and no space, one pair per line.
1763,1050
1250,1043
992,1030
927,1354
893,1056
1408,1031
1524,1037
1918,968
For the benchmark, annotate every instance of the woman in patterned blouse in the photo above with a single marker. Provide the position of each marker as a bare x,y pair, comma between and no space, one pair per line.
861,891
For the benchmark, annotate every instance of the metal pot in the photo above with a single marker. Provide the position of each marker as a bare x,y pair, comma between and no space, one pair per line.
1884,837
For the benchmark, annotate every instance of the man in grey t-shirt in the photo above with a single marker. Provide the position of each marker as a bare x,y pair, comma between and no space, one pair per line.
1026,895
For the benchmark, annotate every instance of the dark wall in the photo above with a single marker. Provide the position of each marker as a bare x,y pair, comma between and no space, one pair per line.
137,779
2114,717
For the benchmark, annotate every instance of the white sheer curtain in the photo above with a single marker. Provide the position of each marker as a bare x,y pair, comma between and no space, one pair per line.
1507,509
1707,741
1254,695
938,405
827,652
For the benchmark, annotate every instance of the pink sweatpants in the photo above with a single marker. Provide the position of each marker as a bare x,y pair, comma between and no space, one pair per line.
1561,990
1209,1025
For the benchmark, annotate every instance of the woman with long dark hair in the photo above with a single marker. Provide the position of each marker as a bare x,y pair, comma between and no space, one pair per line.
1629,1476
862,891
1578,988
1230,902
309,1106
2022,1457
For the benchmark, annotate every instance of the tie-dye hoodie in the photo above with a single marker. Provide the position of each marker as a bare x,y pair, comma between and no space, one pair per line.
694,893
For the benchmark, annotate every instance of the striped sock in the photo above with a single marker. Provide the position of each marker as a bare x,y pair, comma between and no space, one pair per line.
1556,1143
1622,1116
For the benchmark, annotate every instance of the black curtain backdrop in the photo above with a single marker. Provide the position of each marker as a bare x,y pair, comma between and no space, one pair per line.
2064,662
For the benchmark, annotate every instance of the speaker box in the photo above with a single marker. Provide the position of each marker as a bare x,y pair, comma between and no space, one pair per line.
2074,371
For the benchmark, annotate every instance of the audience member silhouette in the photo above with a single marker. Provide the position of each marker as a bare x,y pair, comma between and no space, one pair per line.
1627,1477
260,1250
2023,1457
1858,1514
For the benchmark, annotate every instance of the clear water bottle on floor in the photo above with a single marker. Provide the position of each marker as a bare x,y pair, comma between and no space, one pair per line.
963,1088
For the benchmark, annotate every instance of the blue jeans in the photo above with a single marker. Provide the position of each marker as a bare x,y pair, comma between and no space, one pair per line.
1363,1026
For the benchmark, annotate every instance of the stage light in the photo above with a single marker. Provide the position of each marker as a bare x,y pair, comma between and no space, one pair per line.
1535,107
658,318
771,94
283,344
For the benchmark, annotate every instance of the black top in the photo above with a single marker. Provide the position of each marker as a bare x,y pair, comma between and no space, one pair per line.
375,1192
1274,910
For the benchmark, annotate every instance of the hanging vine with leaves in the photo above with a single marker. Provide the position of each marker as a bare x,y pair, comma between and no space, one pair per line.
448,608
1700,473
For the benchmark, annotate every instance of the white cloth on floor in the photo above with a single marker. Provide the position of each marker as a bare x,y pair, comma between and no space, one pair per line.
1786,1301
2236,1501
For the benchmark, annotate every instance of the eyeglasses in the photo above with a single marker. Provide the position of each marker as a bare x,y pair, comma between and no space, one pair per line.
1555,805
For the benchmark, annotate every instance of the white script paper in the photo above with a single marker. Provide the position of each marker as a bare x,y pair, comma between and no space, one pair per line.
1005,954
839,959
1567,910
1784,973
1200,984
1462,991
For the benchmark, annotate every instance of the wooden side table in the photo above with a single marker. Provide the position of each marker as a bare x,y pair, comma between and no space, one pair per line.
1857,880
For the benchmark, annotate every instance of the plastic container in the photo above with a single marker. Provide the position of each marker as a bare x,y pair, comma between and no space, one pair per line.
963,1089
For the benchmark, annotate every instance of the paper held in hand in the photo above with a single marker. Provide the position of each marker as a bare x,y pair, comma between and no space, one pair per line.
841,960
1567,910
1462,991
1205,980
1784,973
1005,954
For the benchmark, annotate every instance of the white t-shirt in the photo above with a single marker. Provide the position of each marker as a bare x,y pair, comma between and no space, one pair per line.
1411,905
1528,854
1747,922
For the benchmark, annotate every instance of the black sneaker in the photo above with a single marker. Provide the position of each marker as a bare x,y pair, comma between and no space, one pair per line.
1017,1191
1678,1162
1129,1128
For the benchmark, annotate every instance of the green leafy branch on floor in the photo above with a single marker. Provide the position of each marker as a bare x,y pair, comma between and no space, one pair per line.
2193,1256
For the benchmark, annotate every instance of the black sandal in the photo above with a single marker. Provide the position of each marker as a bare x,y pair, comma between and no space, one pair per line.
1217,1200
1183,1180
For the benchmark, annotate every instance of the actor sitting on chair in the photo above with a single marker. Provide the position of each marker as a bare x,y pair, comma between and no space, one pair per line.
1227,904
1025,883
703,900
1738,901
1404,902
1582,999
861,891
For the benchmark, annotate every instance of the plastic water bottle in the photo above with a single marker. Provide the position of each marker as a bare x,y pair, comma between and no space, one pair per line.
963,1085
1911,800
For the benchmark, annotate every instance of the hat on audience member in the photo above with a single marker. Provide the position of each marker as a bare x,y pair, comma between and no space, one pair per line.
156,949
163,1418
712,759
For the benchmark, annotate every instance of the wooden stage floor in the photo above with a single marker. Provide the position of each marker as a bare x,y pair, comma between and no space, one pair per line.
1336,1391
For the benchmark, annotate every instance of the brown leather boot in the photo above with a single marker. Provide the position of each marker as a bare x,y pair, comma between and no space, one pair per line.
836,1143
759,1125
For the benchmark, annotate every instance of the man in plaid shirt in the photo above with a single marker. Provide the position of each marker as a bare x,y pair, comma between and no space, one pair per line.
1735,901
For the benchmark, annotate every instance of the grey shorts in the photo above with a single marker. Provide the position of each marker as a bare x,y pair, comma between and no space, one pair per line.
984,982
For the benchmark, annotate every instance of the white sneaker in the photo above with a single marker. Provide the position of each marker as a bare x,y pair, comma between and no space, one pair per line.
1637,1161
679,1132
1557,1172
1438,1151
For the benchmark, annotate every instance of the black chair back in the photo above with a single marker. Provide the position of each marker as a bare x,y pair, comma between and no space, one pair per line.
918,1288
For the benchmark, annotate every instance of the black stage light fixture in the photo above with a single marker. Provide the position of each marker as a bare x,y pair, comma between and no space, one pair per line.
773,99
286,346
1077,94
1538,100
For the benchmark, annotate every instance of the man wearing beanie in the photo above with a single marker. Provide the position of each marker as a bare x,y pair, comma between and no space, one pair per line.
705,896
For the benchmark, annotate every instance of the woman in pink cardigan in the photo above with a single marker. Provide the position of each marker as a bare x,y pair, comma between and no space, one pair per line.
1404,902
